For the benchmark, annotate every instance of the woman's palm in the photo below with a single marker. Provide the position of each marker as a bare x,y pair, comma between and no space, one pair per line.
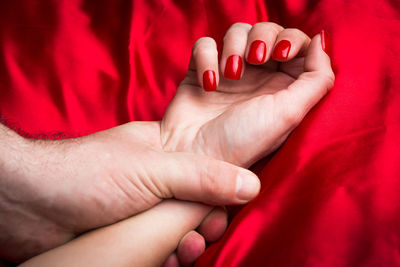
241,122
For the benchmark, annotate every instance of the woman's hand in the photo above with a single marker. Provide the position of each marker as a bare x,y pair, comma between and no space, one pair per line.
272,78
260,100
142,240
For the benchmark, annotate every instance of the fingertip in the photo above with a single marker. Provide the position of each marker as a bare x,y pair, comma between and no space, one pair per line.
172,261
290,43
247,186
190,248
317,58
205,63
325,42
209,81
312,85
233,67
214,225
257,52
233,52
261,39
281,50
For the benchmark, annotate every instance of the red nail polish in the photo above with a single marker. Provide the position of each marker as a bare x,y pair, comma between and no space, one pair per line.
281,51
257,52
233,68
209,81
325,42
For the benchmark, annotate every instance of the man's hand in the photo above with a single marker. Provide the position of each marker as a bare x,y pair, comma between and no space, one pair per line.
245,120
52,190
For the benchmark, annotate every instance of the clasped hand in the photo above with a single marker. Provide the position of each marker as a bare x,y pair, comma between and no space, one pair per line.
198,152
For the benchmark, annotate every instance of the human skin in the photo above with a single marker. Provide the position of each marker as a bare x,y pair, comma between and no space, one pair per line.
270,100
50,191
142,240
275,99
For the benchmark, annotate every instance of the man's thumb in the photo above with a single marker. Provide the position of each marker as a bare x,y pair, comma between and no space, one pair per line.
194,177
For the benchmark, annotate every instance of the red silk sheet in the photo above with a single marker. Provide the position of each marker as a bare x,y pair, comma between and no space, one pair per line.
330,194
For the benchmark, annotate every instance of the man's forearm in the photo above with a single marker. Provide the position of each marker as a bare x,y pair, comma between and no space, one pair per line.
11,150
19,223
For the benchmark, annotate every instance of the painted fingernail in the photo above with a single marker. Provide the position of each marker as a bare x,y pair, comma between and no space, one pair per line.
247,186
233,68
209,81
257,52
325,42
281,51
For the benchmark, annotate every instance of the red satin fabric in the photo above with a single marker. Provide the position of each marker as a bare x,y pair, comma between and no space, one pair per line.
330,195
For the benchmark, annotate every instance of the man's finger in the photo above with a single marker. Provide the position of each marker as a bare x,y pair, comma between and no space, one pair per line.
199,178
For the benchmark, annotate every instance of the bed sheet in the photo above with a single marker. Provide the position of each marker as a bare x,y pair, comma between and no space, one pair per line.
330,195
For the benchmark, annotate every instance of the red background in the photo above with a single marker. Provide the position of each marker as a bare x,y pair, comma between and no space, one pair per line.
330,195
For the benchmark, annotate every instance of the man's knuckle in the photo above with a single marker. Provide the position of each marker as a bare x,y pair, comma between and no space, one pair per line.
211,184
